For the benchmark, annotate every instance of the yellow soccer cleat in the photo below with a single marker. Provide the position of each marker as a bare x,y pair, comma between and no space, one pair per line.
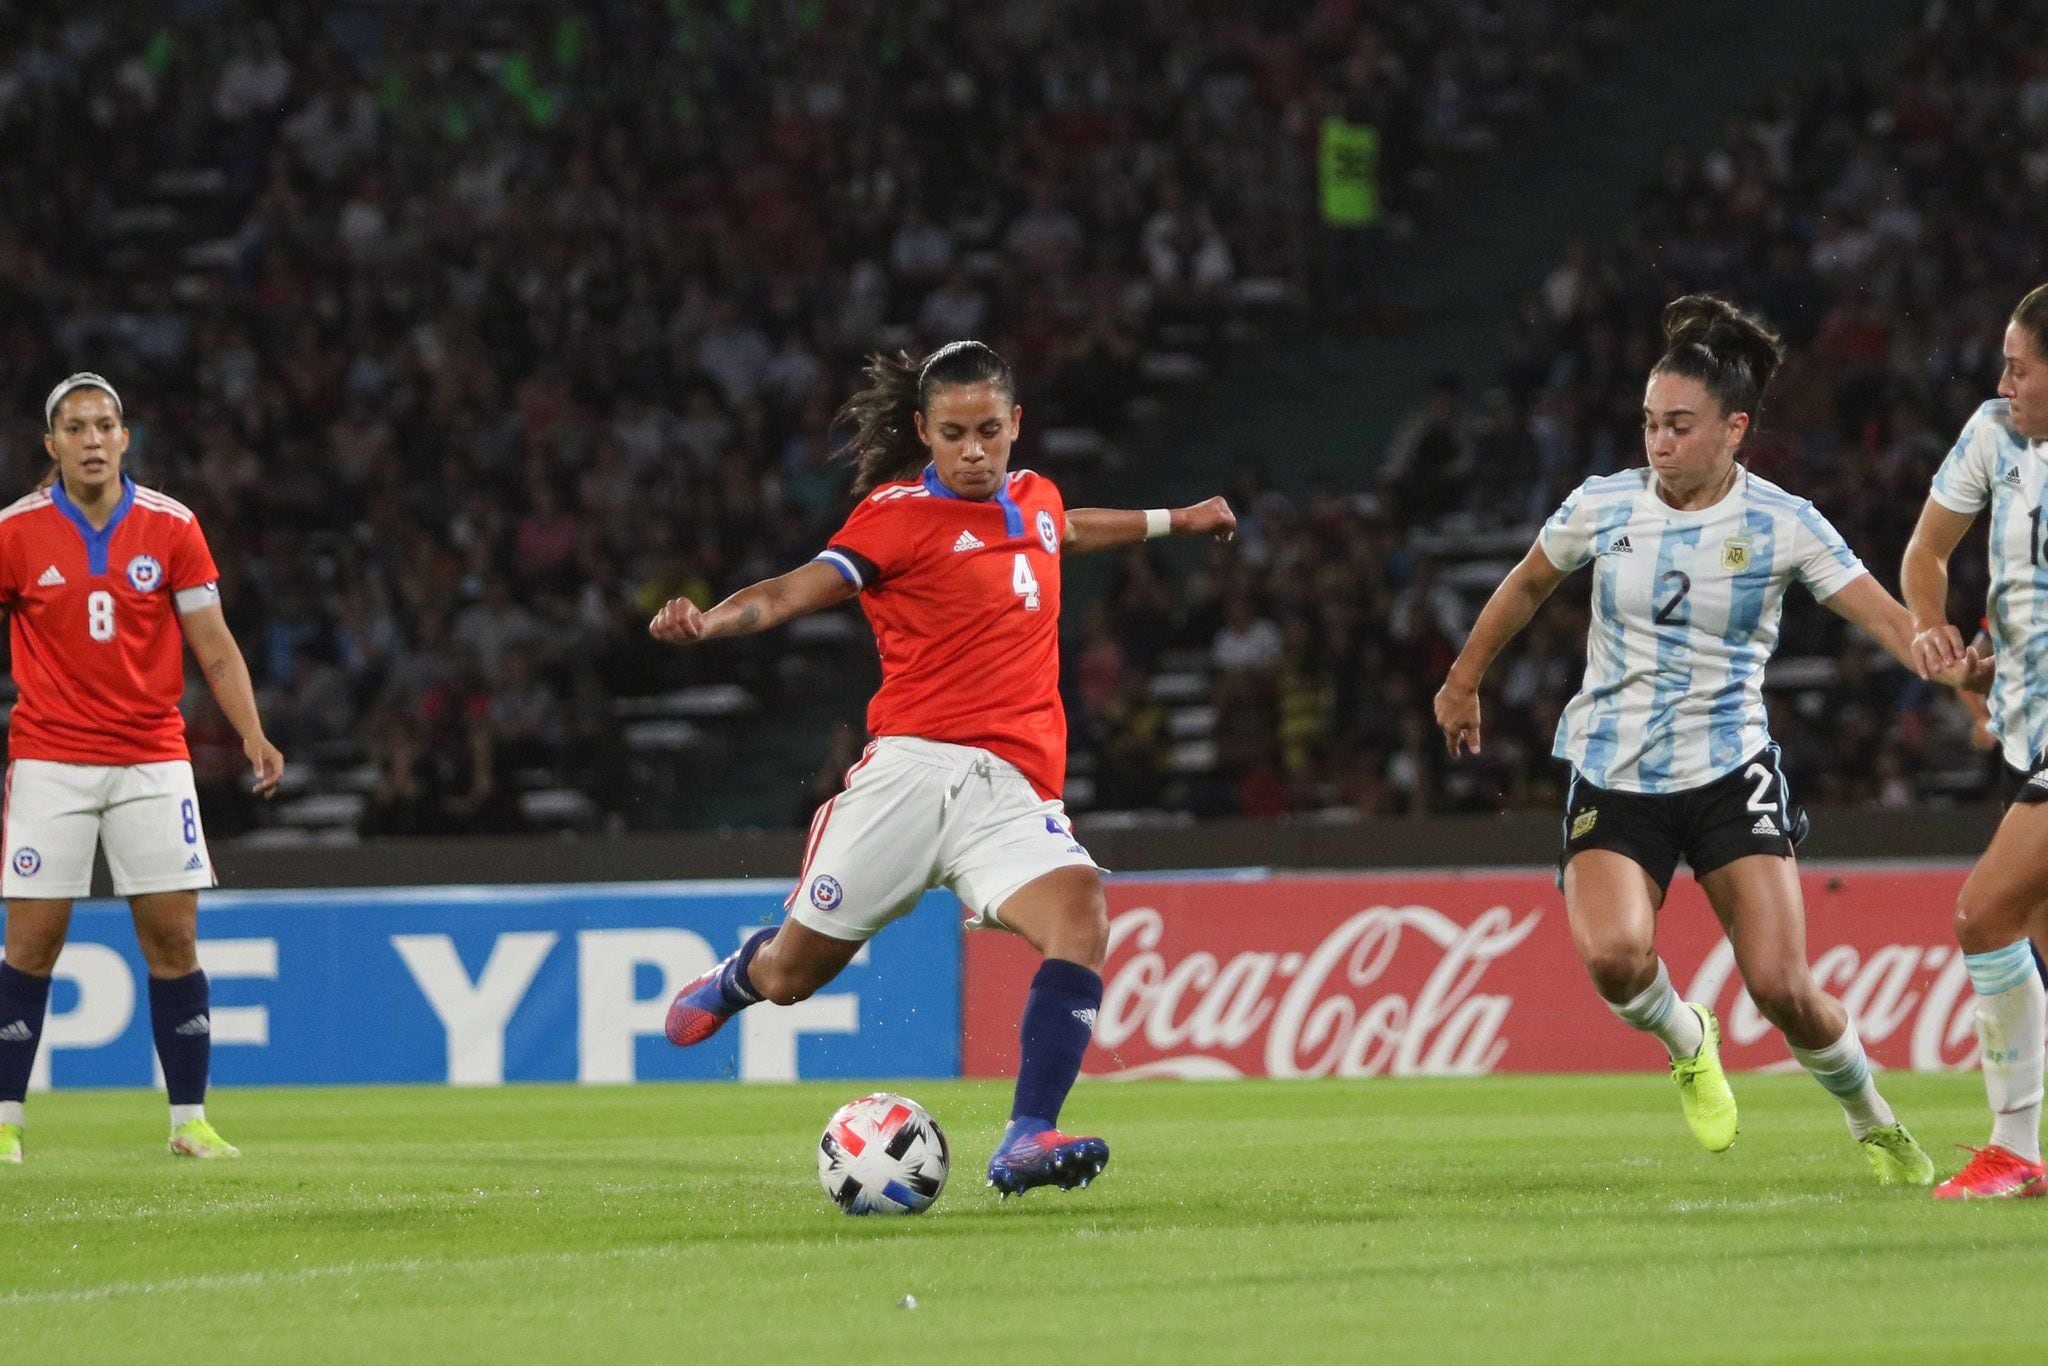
10,1143
196,1138
1703,1092
1896,1157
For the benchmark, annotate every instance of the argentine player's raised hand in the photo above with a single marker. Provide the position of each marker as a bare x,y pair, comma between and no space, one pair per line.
1457,714
1937,650
679,622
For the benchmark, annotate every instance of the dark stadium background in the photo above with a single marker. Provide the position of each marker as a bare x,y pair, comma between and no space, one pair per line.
474,331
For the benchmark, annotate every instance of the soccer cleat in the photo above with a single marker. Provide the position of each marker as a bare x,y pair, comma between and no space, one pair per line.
698,1010
1896,1157
1046,1157
10,1143
1995,1173
1703,1092
196,1138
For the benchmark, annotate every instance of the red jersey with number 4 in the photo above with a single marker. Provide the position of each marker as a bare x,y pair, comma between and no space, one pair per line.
98,653
964,598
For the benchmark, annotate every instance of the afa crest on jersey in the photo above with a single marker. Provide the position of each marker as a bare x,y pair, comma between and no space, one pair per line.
1735,554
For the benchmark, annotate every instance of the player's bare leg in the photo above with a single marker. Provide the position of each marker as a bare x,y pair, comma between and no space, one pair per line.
1759,904
1066,918
1997,911
783,966
35,936
180,1015
1612,903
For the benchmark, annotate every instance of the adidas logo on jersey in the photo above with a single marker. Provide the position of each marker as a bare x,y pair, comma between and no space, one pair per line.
50,579
18,1032
967,541
1764,826
1620,546
2012,476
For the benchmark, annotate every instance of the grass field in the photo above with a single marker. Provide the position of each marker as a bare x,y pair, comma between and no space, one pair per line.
1524,1218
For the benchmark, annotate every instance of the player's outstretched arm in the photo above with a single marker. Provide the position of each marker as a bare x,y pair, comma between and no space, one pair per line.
757,607
227,673
1923,576
1107,528
1527,587
1863,602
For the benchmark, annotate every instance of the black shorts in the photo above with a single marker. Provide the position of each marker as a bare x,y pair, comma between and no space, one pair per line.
2023,789
1749,811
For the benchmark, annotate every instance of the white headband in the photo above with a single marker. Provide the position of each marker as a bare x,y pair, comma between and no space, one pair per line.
84,379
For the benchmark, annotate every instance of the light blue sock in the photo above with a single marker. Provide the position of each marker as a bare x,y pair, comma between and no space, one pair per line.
1657,1010
1843,1070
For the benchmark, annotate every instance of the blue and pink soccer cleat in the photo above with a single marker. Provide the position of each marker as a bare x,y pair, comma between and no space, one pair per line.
1044,1156
700,1008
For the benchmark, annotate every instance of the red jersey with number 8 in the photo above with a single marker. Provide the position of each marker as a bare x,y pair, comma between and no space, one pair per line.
964,599
98,656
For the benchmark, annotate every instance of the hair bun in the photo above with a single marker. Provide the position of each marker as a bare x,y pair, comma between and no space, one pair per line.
1726,333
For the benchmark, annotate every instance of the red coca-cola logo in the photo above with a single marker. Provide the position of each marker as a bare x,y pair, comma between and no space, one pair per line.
1450,975
1332,1009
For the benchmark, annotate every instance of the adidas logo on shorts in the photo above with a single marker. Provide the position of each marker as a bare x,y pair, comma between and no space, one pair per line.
1764,826
18,1032
195,864
195,1026
967,541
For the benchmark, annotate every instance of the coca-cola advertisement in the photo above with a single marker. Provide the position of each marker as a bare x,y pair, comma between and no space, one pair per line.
1460,975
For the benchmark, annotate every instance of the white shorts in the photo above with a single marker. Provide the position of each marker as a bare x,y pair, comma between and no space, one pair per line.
56,814
918,814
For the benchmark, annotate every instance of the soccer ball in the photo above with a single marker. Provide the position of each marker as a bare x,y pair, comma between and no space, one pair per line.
882,1154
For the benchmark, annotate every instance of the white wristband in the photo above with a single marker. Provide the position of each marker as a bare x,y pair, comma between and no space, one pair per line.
1158,522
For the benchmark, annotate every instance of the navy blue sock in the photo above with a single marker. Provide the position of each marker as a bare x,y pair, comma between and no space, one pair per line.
24,1000
179,1016
733,984
1059,1019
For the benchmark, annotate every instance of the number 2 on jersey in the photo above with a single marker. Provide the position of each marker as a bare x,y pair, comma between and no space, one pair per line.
1024,583
99,614
1668,614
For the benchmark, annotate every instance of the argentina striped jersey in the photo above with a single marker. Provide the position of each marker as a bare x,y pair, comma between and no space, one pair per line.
1994,466
1685,612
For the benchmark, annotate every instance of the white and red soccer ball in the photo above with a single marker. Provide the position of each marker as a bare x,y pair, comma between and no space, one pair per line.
882,1154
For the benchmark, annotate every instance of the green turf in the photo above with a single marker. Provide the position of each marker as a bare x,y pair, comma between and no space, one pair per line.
1528,1218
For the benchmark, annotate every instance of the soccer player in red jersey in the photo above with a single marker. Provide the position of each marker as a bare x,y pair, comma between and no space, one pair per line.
101,579
956,560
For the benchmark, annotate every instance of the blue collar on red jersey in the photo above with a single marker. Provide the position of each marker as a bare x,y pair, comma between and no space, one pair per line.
1013,518
96,541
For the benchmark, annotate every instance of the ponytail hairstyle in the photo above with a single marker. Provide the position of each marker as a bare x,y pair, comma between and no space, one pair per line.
884,447
2032,318
1731,353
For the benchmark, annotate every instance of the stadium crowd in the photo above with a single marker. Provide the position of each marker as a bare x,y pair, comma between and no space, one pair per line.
469,352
